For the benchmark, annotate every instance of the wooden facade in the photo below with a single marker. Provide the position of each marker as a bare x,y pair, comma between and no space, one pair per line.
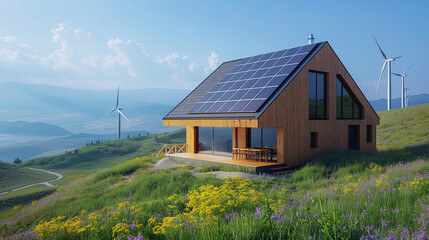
289,113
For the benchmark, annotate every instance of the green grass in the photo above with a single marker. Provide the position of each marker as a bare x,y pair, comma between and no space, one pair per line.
24,196
107,154
341,195
14,176
403,127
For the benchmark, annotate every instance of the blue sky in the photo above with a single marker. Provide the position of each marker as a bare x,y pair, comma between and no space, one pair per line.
176,44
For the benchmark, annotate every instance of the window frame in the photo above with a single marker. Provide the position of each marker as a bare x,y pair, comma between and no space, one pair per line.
325,96
355,101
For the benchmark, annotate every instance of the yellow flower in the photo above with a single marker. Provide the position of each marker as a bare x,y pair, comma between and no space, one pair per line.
16,207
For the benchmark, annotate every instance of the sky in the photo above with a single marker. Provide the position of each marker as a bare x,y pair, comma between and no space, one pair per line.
177,44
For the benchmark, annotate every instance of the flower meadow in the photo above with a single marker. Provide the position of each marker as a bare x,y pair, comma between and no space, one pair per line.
360,200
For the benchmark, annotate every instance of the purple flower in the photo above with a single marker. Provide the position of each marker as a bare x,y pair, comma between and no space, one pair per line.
138,237
278,217
258,212
230,216
369,228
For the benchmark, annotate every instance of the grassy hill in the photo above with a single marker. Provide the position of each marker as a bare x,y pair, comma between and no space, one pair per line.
14,176
403,127
342,195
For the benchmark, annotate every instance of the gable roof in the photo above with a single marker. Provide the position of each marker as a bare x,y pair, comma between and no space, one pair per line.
249,84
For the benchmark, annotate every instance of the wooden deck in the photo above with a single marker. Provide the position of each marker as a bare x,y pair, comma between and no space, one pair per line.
200,160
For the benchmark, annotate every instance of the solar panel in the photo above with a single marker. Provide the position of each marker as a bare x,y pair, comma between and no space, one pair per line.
251,82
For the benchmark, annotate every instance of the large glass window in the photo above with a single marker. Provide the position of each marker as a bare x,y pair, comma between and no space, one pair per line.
316,95
205,136
347,105
222,141
263,137
216,140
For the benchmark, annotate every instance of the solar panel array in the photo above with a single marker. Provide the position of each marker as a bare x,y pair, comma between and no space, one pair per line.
246,87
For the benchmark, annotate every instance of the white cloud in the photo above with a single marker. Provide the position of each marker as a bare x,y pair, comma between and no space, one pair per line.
8,38
74,47
169,60
91,60
213,61
193,66
186,58
119,58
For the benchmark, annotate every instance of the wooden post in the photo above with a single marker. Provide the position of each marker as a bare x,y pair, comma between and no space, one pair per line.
192,139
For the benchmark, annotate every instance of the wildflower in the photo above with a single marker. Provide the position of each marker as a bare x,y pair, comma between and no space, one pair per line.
230,216
16,207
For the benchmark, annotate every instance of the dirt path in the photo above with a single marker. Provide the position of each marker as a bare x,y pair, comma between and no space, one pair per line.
47,183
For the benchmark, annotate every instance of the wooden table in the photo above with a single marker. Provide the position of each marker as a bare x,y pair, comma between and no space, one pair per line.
260,154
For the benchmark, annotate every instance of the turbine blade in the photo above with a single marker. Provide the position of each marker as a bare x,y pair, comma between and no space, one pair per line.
122,114
117,98
407,69
108,112
381,74
396,57
382,53
399,75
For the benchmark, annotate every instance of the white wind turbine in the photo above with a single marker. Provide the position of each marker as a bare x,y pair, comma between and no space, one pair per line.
389,75
403,75
407,96
119,114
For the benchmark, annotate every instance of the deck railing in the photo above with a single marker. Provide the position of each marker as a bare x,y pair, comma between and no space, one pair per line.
173,148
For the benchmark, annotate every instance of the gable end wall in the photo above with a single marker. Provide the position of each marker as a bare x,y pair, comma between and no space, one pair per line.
289,113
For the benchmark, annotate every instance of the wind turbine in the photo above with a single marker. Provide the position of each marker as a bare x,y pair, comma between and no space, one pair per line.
403,75
407,96
119,114
389,75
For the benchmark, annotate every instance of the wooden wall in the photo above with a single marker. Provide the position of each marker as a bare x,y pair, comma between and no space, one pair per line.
290,113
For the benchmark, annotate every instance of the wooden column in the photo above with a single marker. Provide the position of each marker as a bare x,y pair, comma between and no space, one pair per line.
242,137
281,146
192,139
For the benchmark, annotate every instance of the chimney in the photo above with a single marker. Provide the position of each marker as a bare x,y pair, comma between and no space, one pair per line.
311,39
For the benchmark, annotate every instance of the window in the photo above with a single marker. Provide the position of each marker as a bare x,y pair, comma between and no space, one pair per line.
215,140
317,95
347,105
313,139
368,133
263,137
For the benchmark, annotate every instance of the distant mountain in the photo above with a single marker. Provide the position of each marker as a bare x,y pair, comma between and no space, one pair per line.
31,129
79,110
381,104
54,146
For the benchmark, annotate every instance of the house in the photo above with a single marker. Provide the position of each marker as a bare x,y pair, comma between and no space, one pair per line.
279,108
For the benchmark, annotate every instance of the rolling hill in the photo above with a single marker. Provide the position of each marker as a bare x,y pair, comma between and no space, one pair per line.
54,146
341,195
14,176
31,129
381,104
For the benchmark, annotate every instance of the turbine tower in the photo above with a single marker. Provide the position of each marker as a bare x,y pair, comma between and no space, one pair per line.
119,114
407,96
403,75
389,75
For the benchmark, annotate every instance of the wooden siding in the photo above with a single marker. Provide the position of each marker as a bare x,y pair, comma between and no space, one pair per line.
192,139
212,122
290,113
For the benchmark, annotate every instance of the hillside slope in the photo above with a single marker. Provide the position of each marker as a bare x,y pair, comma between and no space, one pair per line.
13,176
107,154
342,195
404,127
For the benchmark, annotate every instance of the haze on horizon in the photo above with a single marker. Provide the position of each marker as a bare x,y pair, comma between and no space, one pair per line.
148,44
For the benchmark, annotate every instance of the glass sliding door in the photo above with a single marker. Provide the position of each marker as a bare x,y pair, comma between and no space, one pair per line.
206,140
222,139
217,141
